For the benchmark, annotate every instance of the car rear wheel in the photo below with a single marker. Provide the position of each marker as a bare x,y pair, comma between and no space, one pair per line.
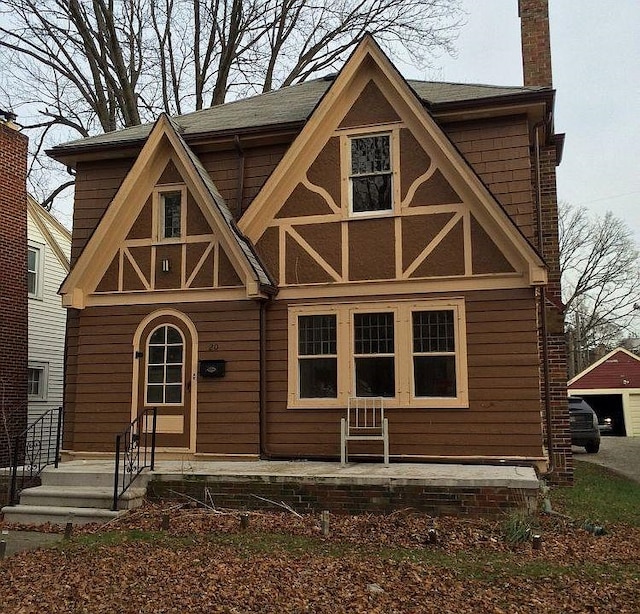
592,447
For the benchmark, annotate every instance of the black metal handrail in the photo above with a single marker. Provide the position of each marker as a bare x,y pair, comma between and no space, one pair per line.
35,448
133,445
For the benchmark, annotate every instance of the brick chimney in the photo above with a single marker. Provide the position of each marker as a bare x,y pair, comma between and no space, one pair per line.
536,42
13,283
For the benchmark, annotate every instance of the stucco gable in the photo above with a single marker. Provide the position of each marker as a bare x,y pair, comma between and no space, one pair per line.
431,178
122,231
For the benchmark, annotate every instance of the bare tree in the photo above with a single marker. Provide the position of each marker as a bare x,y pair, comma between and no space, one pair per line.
601,281
100,65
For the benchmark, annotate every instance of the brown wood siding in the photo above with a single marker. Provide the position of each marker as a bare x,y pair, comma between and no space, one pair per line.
96,185
100,375
503,417
498,150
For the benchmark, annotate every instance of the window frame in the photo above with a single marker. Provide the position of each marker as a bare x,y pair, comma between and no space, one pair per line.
43,368
403,352
158,212
183,382
346,138
39,250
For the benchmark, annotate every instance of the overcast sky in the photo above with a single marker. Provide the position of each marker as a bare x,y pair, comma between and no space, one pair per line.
595,48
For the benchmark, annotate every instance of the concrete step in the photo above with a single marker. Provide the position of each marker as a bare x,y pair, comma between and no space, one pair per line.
79,474
80,497
42,514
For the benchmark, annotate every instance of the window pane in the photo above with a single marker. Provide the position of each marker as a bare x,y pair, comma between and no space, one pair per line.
31,282
434,376
173,394
173,335
33,382
154,394
370,155
433,331
171,214
318,378
316,335
156,374
375,377
156,355
373,333
32,258
174,354
174,374
158,335
371,193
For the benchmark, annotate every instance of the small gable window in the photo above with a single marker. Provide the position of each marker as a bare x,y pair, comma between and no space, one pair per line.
170,210
371,174
34,270
170,213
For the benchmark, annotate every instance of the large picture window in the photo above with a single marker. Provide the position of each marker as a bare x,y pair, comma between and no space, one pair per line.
371,174
413,353
317,362
373,352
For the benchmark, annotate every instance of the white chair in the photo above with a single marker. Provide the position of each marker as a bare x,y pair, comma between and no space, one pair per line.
365,421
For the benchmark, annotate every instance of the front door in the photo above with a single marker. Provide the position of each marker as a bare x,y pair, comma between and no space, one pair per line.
164,380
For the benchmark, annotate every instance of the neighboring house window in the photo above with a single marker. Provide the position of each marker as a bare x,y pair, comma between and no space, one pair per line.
317,357
35,262
413,353
170,213
165,362
37,381
371,174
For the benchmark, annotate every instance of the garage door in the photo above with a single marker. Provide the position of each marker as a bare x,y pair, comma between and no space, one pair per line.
632,417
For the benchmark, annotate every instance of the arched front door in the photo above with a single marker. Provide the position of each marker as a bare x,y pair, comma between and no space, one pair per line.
165,378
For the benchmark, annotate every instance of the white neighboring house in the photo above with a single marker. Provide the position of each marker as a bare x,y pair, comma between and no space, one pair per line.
49,250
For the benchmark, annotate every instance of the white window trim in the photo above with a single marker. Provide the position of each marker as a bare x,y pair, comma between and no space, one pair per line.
40,253
43,367
146,369
158,212
403,337
394,153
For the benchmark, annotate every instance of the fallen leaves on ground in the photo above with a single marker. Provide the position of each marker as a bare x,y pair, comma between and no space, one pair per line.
282,563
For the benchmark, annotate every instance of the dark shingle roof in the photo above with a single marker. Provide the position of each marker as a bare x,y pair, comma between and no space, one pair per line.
289,105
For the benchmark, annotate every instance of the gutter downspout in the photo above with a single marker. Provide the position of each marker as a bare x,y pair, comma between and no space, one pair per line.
543,309
262,398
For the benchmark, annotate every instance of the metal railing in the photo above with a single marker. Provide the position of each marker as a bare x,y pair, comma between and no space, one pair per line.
35,448
135,451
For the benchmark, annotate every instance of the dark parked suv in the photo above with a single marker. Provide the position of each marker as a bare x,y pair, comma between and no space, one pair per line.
584,425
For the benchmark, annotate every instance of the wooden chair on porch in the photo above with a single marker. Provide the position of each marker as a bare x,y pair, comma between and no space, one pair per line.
365,421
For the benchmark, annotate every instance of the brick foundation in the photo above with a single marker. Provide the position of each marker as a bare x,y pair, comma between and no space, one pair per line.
307,496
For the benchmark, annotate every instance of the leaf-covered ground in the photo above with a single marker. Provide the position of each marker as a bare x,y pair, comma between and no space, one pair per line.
205,562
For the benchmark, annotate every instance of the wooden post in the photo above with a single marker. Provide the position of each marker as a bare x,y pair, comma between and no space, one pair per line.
536,542
324,522
3,549
68,530
244,521
165,522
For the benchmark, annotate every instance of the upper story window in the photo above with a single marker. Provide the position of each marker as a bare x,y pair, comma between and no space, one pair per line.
170,212
371,174
35,263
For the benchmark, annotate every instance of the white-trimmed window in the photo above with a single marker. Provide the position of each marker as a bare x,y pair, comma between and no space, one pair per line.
413,353
37,381
35,270
165,367
371,174
170,213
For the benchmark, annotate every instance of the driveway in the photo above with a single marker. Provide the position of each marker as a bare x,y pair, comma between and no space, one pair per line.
622,454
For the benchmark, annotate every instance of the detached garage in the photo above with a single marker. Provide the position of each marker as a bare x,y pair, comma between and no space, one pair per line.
612,387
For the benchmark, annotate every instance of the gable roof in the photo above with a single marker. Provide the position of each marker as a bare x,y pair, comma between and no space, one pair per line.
55,234
291,105
611,378
330,110
163,141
